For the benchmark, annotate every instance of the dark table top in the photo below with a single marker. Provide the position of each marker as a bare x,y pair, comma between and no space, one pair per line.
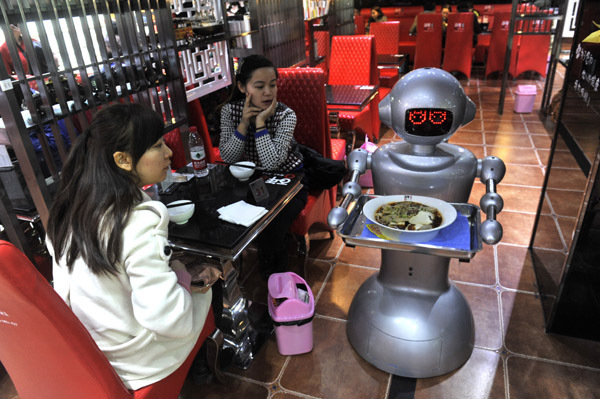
207,234
350,95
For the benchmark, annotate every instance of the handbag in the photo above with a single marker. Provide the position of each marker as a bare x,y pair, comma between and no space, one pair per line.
321,173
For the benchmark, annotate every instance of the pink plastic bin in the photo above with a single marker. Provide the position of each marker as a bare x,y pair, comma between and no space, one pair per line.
525,98
292,308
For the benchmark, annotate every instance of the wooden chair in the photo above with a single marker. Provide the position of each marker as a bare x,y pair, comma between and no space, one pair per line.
48,353
303,90
428,52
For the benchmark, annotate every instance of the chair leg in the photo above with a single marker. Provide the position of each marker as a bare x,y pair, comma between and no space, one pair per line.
303,248
213,345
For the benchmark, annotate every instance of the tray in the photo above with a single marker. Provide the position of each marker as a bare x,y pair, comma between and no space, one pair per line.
352,232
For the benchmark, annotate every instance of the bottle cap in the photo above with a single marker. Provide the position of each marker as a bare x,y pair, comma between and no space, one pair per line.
193,129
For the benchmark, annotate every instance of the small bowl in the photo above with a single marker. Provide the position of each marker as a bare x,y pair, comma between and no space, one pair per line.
410,236
181,214
241,173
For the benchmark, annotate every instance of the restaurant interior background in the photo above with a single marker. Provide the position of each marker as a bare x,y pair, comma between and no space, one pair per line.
171,54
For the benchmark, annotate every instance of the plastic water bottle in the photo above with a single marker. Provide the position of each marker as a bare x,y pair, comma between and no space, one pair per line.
197,153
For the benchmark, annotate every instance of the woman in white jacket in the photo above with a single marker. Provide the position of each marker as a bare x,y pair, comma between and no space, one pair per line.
111,255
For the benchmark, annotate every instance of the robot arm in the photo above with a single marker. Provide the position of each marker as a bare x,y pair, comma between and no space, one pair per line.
491,171
358,162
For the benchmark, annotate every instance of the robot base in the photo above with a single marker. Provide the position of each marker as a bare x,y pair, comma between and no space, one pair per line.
411,333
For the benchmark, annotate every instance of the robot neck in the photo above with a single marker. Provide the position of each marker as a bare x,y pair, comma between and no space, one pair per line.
422,149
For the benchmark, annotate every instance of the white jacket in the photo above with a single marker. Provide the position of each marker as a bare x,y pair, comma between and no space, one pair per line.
143,320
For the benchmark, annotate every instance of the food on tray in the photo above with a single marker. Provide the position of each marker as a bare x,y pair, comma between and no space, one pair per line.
408,215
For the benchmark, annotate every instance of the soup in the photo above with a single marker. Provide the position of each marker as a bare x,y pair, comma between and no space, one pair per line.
408,215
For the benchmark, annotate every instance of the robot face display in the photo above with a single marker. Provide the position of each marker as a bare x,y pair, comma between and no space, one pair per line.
426,106
428,121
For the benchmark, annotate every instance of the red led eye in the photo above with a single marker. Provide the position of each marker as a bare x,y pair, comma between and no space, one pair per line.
437,117
417,117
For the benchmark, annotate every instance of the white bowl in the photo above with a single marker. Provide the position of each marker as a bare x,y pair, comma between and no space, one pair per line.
412,236
181,214
241,173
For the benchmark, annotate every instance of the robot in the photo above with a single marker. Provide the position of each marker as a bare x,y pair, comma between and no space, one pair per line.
410,319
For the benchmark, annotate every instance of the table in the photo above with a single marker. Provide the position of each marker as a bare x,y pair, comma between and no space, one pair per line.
222,242
396,61
349,97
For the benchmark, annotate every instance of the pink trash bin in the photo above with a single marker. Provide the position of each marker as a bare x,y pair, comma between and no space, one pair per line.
292,308
525,98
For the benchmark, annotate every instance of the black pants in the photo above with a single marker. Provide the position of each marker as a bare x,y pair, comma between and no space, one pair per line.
272,242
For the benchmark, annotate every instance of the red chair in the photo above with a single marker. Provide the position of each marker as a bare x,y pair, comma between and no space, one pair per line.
407,43
498,43
174,142
532,54
303,90
458,52
48,353
387,37
359,25
323,49
428,52
354,62
196,118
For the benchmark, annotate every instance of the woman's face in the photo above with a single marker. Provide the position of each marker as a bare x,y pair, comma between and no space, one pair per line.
374,14
154,164
262,86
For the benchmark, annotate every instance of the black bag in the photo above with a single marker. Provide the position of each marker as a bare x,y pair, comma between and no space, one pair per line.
321,173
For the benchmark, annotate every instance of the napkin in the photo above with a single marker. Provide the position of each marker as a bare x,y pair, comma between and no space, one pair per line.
241,213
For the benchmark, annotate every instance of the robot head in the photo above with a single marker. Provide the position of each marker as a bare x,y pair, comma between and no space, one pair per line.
426,106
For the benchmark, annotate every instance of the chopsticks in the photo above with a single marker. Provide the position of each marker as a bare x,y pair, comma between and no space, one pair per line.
240,165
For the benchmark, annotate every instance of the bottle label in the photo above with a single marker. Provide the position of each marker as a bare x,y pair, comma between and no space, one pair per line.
198,156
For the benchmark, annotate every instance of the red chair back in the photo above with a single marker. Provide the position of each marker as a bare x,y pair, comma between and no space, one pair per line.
353,61
323,48
498,43
428,52
533,54
458,52
46,350
303,90
407,43
175,143
196,118
359,25
387,36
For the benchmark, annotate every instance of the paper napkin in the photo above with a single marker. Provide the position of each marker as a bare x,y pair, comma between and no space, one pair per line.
241,213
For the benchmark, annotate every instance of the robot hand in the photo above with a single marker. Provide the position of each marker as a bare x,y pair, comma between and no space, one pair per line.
358,162
490,171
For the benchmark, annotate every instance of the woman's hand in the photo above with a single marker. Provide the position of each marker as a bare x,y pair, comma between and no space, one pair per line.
267,113
248,114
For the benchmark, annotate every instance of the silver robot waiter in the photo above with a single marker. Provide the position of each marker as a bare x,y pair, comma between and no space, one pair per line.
410,319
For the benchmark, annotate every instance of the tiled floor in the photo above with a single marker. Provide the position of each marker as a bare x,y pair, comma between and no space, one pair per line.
513,356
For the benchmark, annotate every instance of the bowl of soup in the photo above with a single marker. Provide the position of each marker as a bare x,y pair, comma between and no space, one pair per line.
409,218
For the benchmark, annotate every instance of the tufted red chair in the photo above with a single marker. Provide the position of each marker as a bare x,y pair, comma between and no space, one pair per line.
498,43
428,52
303,90
48,353
387,37
354,62
458,52
196,118
323,49
533,50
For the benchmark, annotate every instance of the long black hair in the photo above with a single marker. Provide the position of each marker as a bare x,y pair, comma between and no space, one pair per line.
95,196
